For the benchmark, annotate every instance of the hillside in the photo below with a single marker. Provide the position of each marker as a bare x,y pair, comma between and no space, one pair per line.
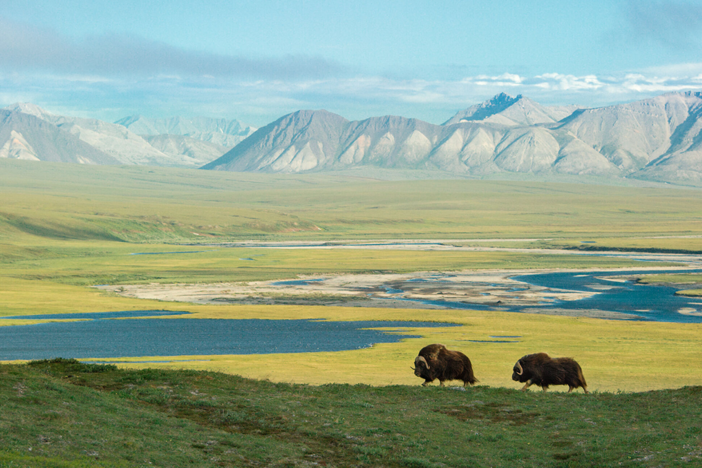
64,413
654,139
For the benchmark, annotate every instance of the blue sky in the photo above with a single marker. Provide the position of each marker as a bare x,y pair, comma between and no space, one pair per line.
258,60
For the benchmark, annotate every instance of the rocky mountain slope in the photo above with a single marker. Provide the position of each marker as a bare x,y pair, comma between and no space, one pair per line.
506,110
658,138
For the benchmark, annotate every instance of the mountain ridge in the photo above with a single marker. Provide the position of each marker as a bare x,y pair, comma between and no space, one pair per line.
656,138
512,111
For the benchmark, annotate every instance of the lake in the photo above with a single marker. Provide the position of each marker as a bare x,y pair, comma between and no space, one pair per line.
101,336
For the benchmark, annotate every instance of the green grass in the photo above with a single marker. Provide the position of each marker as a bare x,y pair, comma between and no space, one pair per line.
138,204
63,413
90,263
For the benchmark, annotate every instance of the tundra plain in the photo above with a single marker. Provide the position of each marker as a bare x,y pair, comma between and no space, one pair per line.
66,228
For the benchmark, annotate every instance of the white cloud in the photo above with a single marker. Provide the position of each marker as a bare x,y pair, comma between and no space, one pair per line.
642,84
562,82
504,80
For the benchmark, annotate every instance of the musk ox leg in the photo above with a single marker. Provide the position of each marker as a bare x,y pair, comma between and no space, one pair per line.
585,388
526,385
426,382
441,382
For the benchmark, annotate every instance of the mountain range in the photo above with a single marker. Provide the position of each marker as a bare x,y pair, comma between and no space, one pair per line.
221,132
654,139
29,132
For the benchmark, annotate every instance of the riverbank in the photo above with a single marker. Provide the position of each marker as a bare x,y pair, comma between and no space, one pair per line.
480,290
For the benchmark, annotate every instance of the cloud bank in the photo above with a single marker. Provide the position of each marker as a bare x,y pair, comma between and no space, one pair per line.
673,24
29,48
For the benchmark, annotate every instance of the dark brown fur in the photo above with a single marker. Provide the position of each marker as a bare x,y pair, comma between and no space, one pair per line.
437,362
542,370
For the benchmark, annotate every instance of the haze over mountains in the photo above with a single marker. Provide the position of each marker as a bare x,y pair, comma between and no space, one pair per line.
221,132
654,139
190,143
26,136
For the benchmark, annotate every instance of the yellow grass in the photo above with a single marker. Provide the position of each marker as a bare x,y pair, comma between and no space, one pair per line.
615,355
690,292
24,297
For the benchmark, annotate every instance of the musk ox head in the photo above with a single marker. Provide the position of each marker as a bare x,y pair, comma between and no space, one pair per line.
421,366
519,374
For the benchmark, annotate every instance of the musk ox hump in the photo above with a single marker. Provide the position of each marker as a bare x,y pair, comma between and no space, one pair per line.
432,351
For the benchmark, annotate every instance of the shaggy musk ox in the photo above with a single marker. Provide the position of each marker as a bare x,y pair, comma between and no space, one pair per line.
542,370
437,362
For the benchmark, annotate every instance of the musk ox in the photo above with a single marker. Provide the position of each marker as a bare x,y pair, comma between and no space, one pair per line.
542,370
437,362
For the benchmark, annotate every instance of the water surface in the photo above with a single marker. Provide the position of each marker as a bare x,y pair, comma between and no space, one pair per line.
109,338
644,301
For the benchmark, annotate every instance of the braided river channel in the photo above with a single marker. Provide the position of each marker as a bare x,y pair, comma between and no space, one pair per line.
605,294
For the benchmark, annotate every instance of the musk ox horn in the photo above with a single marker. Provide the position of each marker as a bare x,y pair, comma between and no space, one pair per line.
421,359
521,370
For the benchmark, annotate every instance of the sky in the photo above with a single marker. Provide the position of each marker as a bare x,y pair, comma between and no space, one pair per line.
255,61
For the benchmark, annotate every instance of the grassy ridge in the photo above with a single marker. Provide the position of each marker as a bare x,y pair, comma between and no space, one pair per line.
62,413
